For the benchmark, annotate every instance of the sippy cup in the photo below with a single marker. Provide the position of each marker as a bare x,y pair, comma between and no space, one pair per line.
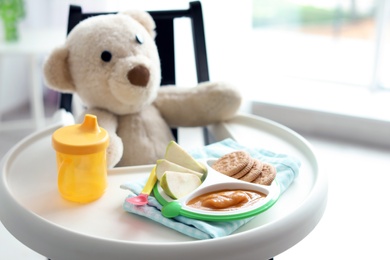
81,160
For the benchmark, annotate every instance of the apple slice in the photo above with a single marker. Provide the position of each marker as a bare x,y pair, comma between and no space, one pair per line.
164,165
176,154
178,184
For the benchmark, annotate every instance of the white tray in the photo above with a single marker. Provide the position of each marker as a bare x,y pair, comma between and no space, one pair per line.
33,211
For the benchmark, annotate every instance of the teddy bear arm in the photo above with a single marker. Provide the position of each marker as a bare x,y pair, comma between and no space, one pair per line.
109,122
204,104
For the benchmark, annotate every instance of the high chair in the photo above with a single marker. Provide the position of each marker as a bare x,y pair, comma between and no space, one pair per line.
33,211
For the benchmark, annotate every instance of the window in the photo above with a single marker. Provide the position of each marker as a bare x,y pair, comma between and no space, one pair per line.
330,41
316,66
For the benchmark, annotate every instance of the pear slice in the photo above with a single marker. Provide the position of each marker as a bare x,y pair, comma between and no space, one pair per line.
178,184
164,165
176,154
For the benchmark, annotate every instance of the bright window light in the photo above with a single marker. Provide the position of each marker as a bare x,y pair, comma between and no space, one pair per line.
330,41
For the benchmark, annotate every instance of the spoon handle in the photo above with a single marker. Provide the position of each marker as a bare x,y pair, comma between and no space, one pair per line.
150,183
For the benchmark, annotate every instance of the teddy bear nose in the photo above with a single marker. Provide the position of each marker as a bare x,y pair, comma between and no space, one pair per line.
139,76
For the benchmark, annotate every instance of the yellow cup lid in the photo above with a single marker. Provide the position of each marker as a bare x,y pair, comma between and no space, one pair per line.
84,138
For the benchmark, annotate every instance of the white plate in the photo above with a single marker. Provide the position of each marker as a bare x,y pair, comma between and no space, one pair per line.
33,211
214,182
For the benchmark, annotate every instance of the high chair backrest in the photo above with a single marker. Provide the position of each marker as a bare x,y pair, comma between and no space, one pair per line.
165,42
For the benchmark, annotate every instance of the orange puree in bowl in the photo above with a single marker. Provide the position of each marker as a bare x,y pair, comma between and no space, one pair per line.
226,200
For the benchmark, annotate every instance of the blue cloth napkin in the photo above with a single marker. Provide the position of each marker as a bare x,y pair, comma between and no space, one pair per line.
287,168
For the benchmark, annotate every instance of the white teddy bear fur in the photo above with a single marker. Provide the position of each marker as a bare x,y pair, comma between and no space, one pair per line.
111,62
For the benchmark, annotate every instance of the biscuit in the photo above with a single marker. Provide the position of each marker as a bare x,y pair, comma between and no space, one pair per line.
232,163
254,173
246,169
268,174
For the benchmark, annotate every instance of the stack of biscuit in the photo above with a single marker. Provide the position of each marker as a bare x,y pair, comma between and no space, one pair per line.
240,165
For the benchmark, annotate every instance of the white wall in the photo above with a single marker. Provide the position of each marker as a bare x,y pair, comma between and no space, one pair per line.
13,82
14,70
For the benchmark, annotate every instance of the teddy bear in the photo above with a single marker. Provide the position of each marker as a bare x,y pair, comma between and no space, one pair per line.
112,63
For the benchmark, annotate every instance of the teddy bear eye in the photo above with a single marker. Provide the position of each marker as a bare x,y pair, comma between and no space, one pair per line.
106,56
139,39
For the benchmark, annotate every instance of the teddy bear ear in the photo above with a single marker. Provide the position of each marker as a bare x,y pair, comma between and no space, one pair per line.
56,71
145,19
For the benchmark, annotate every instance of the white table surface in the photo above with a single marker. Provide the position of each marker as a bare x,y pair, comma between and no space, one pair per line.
32,44
33,211
34,41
